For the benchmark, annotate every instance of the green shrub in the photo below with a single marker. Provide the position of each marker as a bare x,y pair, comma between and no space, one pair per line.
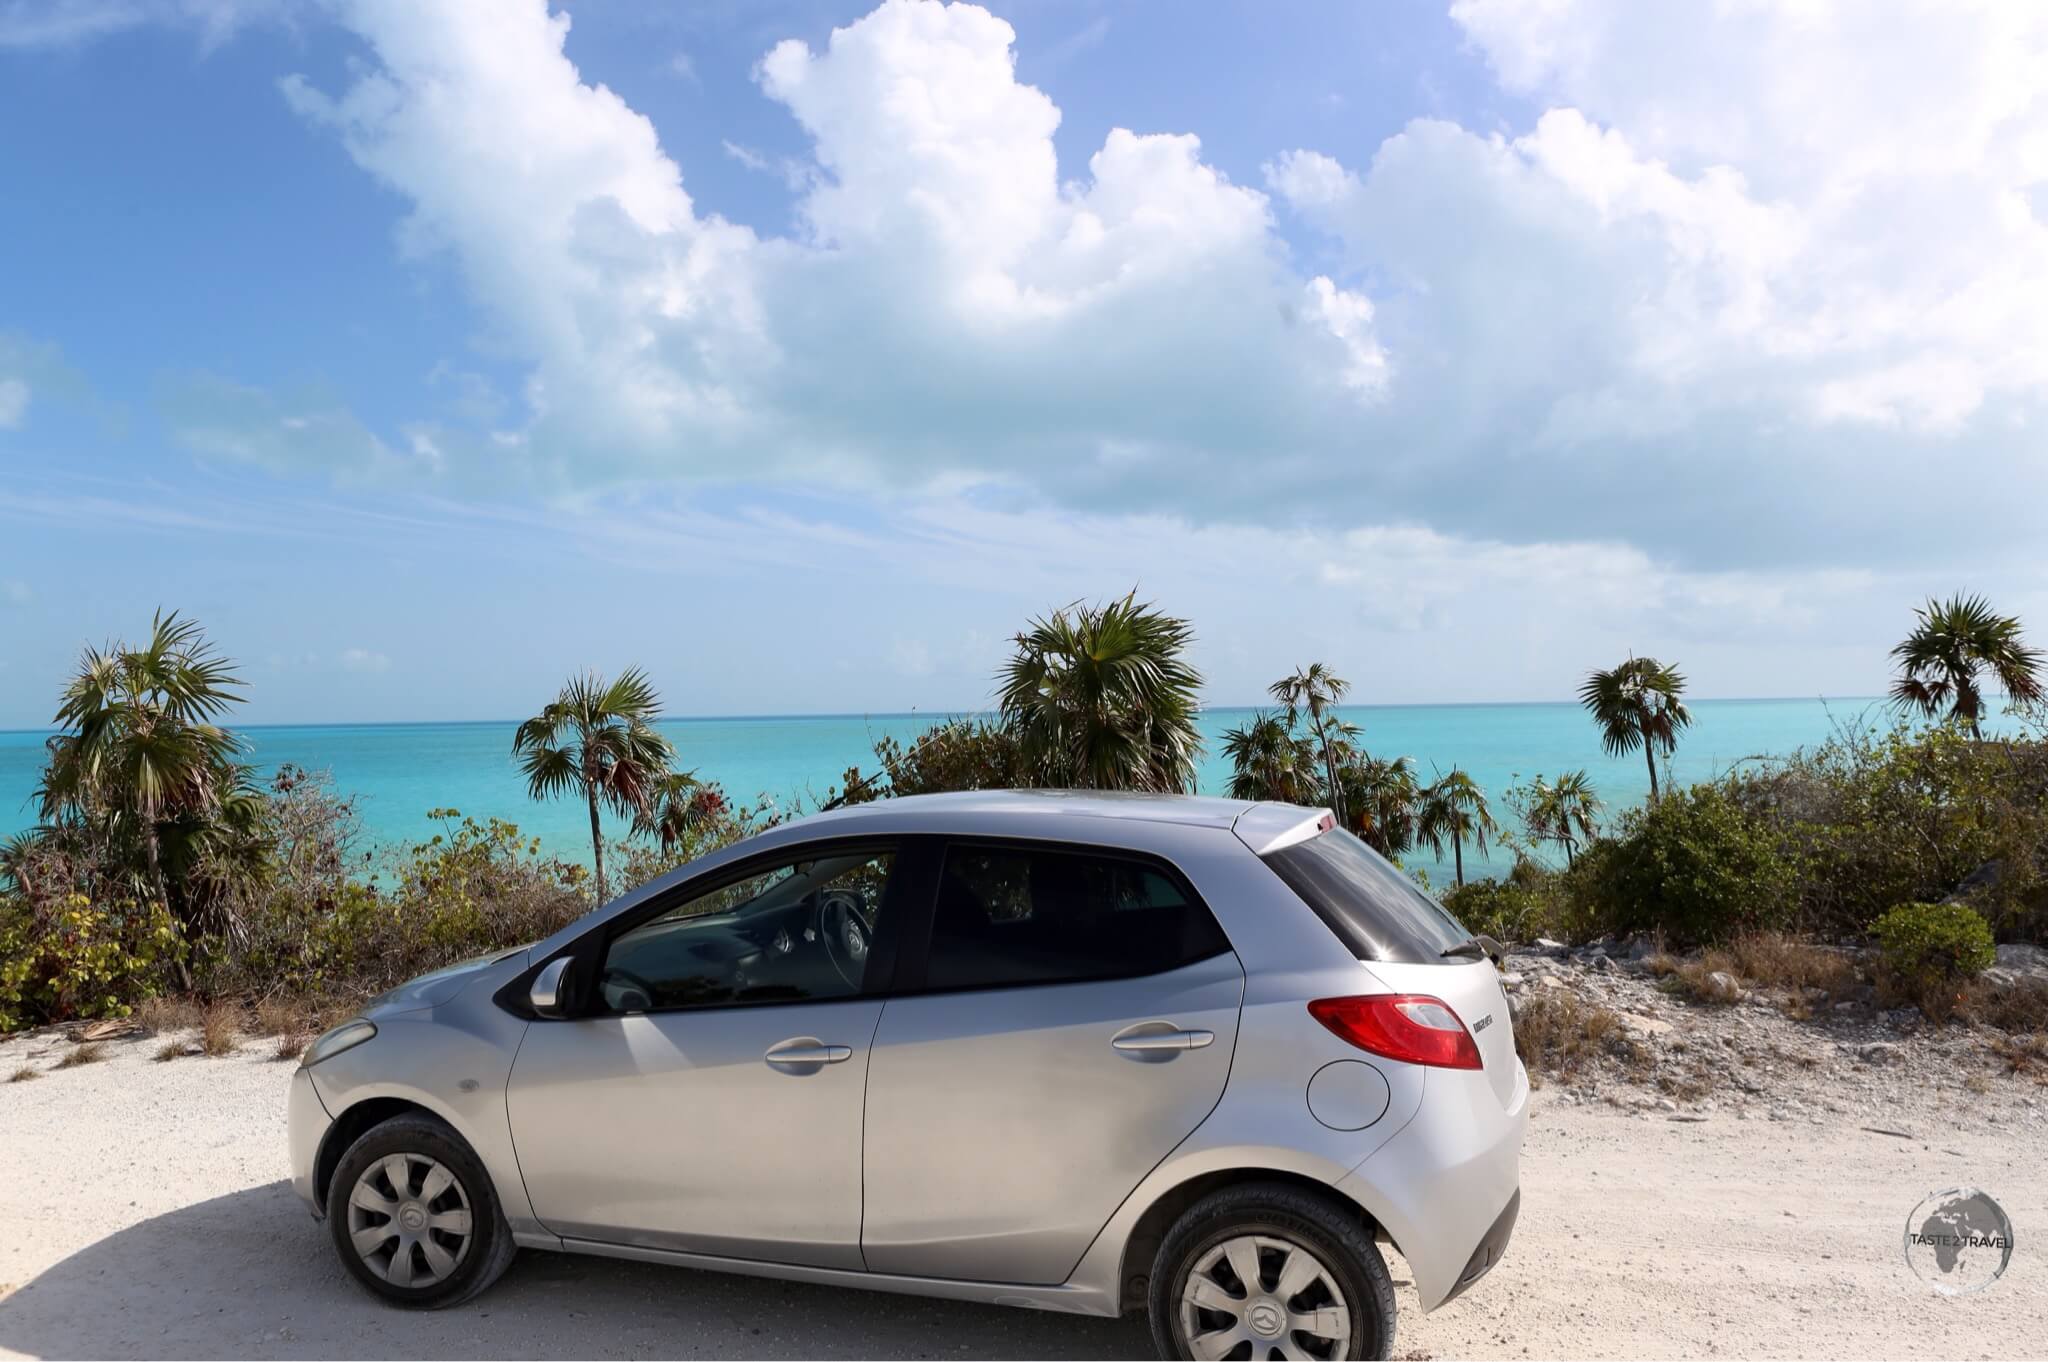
1928,950
1904,816
960,754
1696,867
470,890
1531,901
68,957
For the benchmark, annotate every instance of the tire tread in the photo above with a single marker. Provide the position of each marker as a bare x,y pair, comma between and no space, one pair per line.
1284,1206
416,1130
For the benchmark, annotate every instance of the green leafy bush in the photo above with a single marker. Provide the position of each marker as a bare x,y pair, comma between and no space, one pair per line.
1532,900
469,890
1696,867
68,957
1928,950
1909,815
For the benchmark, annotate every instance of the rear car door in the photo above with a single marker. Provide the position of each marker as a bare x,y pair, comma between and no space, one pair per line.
709,1099
1066,1021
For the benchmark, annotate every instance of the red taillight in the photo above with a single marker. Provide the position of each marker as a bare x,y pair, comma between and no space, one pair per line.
1411,1027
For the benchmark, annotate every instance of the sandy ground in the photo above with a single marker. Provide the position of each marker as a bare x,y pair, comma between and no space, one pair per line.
145,1213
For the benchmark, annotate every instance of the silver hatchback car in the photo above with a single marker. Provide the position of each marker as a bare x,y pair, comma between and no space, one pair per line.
1091,1053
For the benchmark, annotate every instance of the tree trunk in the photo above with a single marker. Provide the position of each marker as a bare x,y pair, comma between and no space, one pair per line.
153,854
1330,772
1458,855
596,838
1650,756
1568,853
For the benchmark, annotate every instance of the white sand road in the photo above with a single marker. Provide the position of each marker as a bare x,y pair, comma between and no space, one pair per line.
144,1212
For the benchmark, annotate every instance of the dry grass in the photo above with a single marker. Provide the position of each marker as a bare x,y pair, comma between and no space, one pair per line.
24,1074
1773,960
170,1014
2023,1055
168,1051
217,1030
291,1047
1713,978
1557,1033
278,1017
2018,1007
1812,975
81,1055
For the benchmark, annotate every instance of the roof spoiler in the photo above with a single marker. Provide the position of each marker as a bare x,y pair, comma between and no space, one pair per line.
1266,828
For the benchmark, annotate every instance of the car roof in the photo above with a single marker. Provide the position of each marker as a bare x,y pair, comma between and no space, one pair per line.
938,812
1262,824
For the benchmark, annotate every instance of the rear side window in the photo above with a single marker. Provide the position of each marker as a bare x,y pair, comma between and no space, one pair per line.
1007,917
1372,907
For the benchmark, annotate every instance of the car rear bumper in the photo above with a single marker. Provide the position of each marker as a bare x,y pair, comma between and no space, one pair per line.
1491,1248
307,1122
1447,1189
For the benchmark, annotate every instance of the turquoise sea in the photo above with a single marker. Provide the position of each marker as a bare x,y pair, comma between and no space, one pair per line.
400,771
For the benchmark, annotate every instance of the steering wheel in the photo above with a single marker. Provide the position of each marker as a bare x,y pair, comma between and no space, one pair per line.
845,934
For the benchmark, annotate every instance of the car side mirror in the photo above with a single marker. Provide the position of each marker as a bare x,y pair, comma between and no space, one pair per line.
545,994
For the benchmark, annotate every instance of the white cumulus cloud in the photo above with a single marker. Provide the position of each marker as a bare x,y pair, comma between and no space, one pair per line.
1756,278
951,305
14,394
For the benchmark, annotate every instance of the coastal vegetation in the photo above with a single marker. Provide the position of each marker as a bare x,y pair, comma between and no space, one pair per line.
1453,809
597,739
1639,706
161,864
1102,697
1943,662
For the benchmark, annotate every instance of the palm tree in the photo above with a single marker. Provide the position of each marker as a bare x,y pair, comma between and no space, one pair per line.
1453,809
1315,689
140,778
1269,760
1954,643
674,805
1383,797
1564,811
1638,704
1100,698
598,739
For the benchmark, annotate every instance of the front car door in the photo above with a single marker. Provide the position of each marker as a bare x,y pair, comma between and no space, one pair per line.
1068,1020
710,1101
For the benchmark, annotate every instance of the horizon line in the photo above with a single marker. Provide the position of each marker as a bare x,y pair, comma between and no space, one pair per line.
941,714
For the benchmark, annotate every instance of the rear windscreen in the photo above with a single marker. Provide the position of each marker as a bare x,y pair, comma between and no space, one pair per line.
1372,907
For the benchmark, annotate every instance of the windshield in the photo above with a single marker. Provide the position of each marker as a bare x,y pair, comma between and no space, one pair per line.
1372,907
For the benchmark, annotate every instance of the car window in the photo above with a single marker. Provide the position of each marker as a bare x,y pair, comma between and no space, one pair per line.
1371,907
792,932
1007,916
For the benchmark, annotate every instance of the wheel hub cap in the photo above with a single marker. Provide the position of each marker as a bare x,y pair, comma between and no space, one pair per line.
1266,1296
409,1220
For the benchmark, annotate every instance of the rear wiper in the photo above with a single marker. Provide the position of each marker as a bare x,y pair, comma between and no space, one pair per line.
1478,946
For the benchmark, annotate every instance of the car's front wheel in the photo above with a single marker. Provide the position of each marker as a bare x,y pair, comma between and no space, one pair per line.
1267,1270
414,1216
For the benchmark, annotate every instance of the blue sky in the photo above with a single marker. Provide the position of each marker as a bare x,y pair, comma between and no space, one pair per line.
799,352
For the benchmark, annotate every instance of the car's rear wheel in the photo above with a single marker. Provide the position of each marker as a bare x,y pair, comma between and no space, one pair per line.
1267,1270
414,1216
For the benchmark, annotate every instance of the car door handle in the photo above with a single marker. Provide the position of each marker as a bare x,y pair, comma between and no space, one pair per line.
1136,1041
806,1051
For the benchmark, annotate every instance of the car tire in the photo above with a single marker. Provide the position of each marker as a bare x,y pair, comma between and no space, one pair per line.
1274,1222
414,1216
